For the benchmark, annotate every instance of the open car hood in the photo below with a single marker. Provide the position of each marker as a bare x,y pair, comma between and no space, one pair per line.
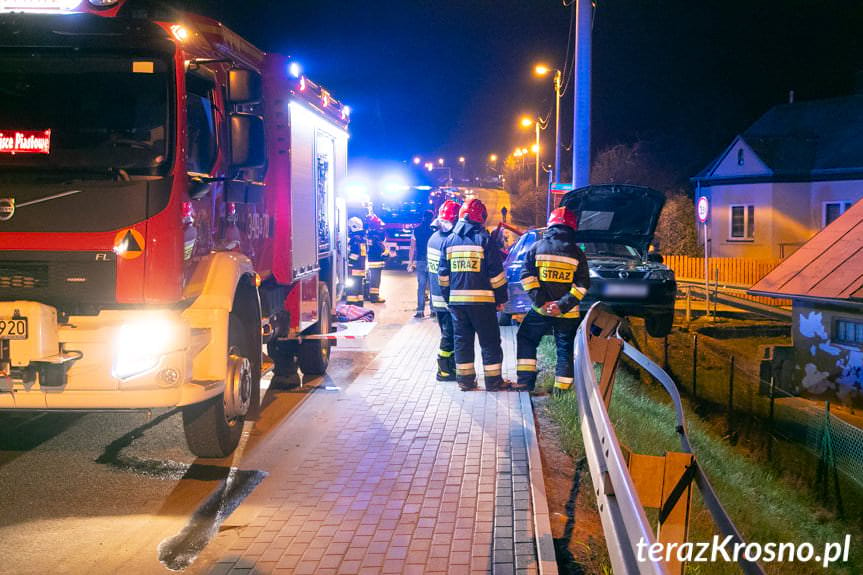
616,213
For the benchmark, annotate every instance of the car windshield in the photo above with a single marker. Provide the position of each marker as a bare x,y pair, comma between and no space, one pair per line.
83,112
609,249
409,210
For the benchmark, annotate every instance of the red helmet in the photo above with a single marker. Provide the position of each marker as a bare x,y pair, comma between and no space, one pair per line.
374,223
448,211
563,217
473,210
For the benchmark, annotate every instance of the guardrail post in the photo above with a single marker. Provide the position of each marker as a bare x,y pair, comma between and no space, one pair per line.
770,420
688,305
695,366
731,397
665,365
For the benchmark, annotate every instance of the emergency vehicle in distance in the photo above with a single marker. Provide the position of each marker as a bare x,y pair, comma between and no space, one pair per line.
168,197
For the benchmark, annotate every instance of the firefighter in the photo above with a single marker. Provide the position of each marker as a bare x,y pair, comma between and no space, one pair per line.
377,250
446,219
556,277
357,251
473,284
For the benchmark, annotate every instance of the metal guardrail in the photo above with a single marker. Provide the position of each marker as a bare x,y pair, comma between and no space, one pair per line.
623,515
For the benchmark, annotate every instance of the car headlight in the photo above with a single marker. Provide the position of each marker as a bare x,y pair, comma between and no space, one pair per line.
660,275
592,273
140,345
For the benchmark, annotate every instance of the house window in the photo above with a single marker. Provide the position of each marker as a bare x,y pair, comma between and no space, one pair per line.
740,157
849,331
833,210
742,222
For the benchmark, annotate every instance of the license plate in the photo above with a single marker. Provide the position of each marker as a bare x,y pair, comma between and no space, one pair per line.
13,328
626,290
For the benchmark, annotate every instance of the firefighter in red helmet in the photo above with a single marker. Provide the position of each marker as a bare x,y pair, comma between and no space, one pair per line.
447,216
377,256
556,277
473,284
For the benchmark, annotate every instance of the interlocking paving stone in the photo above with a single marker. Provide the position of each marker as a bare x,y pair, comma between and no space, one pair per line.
401,475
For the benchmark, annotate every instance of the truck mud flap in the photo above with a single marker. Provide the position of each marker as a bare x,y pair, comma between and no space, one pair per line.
344,331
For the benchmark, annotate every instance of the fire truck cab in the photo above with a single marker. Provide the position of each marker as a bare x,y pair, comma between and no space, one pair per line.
167,208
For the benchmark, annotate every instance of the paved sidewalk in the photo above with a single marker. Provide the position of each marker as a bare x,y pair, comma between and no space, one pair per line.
395,474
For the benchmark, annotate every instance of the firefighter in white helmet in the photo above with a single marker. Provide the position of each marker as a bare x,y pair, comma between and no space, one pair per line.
357,252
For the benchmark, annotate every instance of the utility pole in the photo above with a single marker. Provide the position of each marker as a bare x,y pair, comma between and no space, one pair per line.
557,79
581,122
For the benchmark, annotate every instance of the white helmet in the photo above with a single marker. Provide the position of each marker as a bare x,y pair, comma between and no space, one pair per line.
355,224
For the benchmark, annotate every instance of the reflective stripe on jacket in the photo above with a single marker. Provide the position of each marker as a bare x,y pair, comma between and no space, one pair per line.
555,270
470,269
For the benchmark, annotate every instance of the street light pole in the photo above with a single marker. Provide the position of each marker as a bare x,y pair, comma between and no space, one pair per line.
536,125
557,126
581,118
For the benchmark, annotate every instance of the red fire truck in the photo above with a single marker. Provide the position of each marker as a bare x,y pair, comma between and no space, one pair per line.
167,208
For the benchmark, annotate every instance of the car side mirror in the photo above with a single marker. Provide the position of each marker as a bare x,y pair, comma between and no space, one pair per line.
248,148
244,86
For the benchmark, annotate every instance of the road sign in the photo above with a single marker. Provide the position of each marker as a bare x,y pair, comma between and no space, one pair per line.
703,209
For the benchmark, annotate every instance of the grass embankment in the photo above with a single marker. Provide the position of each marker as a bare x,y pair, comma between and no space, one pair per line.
763,505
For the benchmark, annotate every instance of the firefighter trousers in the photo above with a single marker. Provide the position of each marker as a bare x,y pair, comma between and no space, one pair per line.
446,353
374,280
477,320
355,290
530,332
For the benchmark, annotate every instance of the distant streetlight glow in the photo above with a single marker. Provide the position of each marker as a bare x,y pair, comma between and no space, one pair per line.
541,70
534,148
517,153
440,161
524,151
417,160
461,159
526,122
492,158
429,166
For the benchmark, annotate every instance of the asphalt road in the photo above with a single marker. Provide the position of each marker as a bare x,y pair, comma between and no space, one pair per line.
119,492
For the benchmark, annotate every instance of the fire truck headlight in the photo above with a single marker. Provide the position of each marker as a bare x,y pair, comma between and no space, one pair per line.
103,3
140,345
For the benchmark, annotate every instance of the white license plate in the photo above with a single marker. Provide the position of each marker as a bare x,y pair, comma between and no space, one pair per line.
13,328
626,290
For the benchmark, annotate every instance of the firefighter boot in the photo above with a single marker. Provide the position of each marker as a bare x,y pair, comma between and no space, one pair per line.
496,383
446,368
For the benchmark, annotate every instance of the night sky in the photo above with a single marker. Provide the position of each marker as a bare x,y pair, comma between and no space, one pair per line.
451,77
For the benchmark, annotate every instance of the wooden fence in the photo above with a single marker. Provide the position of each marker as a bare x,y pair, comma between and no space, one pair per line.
741,273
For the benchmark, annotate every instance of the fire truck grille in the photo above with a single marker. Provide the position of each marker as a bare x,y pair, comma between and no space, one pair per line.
22,279
61,279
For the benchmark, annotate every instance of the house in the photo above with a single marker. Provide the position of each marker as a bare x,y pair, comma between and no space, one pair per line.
824,280
789,175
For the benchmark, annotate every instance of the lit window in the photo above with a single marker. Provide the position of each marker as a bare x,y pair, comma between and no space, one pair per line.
849,331
833,210
742,222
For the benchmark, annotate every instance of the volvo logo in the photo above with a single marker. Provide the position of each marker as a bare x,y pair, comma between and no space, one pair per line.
623,275
7,209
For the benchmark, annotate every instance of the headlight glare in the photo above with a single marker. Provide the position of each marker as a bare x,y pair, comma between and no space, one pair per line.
140,345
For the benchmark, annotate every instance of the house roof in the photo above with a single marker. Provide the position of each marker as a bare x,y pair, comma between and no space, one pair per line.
806,139
830,265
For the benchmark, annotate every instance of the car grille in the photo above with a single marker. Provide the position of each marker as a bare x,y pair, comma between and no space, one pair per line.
621,274
25,277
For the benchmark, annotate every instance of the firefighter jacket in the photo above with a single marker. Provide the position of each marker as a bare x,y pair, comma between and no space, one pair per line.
377,253
471,268
357,252
555,270
433,256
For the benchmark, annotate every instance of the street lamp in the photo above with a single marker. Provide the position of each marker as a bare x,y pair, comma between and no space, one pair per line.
492,158
526,122
417,160
543,70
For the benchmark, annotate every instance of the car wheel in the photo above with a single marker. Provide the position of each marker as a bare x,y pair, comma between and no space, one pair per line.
659,324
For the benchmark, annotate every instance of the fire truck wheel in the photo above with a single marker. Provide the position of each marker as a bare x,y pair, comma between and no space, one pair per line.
314,356
213,427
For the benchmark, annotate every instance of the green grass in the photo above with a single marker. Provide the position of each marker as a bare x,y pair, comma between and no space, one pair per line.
764,507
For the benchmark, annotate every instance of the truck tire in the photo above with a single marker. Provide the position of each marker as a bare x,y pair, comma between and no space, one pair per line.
314,355
659,324
213,427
